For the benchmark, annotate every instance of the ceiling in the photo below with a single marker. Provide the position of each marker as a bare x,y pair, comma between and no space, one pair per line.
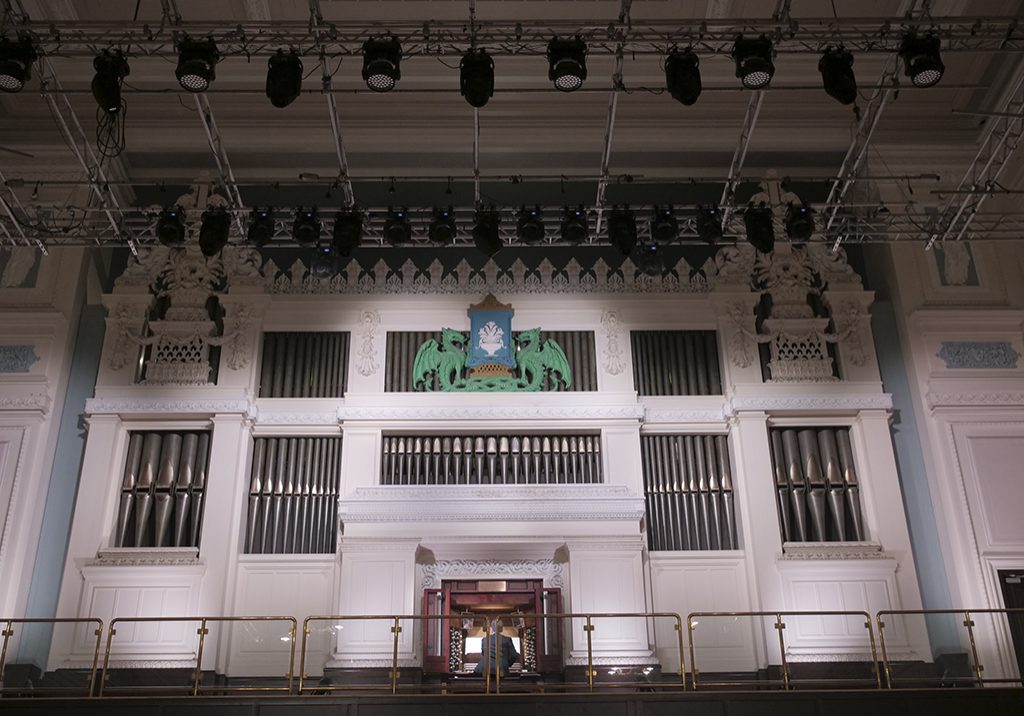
415,145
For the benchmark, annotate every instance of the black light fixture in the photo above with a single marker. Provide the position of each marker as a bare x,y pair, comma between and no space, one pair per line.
486,231
649,259
836,67
381,59
799,222
574,228
306,227
214,229
170,227
760,231
261,226
284,78
754,64
922,62
397,229
567,63
622,229
682,76
111,69
709,223
664,225
325,263
530,225
348,231
476,77
442,229
197,61
16,58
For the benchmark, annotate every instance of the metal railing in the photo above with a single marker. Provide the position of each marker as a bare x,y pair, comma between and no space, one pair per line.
8,633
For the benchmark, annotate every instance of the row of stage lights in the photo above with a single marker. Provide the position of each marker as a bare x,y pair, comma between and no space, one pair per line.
382,56
348,229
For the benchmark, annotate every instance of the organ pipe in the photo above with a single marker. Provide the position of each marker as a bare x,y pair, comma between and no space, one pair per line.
304,365
675,363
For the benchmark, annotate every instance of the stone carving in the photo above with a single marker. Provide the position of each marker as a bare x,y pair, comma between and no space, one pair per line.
548,569
742,341
370,321
237,338
242,266
20,262
143,269
733,266
956,263
613,364
32,401
831,551
978,354
17,358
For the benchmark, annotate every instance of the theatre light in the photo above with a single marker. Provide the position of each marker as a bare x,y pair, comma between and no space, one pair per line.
664,225
214,230
567,63
261,226
836,67
381,59
111,69
649,259
284,78
753,59
682,76
622,230
476,77
397,229
197,60
170,227
325,263
760,232
443,229
574,227
799,222
348,231
921,60
16,58
530,225
486,231
306,227
709,223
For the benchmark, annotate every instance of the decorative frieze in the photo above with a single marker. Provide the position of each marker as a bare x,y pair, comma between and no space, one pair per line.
367,363
993,355
547,569
17,358
612,353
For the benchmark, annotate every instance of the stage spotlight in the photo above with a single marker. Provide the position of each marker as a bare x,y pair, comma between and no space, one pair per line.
664,225
397,229
799,222
442,229
197,60
530,225
760,231
306,227
574,227
567,61
622,230
486,231
753,59
476,77
214,230
381,59
16,58
348,231
921,60
649,259
284,78
682,76
836,67
170,227
324,264
111,69
709,223
261,227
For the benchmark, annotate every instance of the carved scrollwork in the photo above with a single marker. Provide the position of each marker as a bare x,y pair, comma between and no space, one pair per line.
369,321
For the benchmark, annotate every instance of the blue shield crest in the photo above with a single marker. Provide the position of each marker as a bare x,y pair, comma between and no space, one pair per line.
490,335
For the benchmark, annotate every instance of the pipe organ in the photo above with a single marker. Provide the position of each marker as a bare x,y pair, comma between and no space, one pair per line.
676,362
304,365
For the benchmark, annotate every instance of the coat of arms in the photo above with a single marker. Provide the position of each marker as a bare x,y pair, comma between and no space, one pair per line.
491,357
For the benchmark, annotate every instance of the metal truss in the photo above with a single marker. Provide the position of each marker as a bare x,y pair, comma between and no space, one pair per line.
220,157
316,22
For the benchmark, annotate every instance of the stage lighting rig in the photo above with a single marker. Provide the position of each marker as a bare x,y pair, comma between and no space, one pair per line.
382,57
664,225
306,227
622,229
170,227
111,69
574,228
16,58
324,264
649,259
682,76
709,223
567,63
530,225
443,229
197,62
799,222
397,229
754,64
836,67
284,78
261,227
214,230
922,62
760,231
486,231
348,231
476,77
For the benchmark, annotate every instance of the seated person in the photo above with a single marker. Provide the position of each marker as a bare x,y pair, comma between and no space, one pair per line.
507,652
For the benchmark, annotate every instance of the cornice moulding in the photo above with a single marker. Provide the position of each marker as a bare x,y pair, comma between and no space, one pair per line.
811,402
128,406
484,412
39,402
1002,398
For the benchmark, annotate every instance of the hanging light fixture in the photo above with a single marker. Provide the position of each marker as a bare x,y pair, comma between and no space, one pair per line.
476,77
760,232
382,57
567,63
649,259
922,62
574,228
111,69
709,223
306,227
197,62
348,231
16,58
530,225
622,229
754,64
214,229
397,229
170,227
682,76
664,225
284,78
799,222
261,227
836,67
443,229
486,231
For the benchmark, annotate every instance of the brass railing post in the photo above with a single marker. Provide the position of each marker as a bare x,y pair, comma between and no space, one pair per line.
978,667
98,633
679,636
779,627
302,654
396,630
874,651
589,628
486,657
693,655
111,631
885,655
292,632
202,631
8,632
